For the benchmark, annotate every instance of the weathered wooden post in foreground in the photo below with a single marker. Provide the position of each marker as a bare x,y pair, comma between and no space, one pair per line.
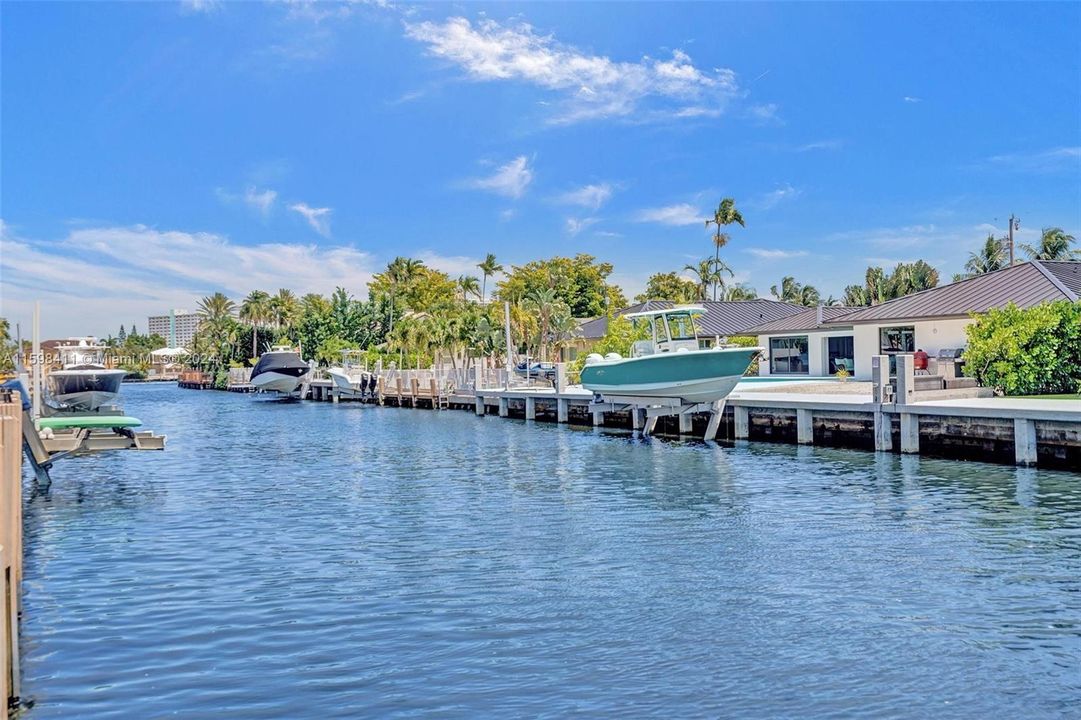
11,551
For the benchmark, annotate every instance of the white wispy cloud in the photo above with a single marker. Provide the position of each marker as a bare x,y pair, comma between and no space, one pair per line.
588,196
771,199
912,99
93,278
766,114
200,6
820,145
261,200
453,265
607,234
577,225
506,215
681,214
775,254
318,218
510,180
1040,161
588,86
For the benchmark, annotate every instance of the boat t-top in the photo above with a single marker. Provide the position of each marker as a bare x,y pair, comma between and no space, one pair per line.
352,377
83,384
280,370
669,363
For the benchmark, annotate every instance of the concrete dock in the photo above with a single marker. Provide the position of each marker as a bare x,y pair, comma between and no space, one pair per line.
893,417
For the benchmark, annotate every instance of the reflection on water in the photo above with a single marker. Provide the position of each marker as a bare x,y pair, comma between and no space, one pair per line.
312,560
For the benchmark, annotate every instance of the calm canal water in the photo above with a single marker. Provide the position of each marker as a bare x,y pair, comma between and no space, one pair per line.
303,560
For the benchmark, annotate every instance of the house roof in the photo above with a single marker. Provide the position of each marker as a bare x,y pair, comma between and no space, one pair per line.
721,318
1025,285
805,320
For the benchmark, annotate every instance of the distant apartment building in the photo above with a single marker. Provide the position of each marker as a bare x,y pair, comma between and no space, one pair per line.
178,327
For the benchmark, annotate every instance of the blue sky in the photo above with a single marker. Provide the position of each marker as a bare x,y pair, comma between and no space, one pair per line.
153,153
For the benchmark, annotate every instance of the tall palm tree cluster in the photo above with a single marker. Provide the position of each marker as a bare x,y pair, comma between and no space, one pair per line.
1055,244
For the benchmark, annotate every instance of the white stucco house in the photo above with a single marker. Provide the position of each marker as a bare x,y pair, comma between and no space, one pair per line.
818,341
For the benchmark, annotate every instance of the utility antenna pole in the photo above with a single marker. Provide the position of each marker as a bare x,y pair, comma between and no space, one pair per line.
1015,224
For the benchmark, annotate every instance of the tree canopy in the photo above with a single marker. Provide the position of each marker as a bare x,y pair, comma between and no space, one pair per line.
580,282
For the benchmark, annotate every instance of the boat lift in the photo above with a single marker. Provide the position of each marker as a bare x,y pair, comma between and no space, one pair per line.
43,447
658,407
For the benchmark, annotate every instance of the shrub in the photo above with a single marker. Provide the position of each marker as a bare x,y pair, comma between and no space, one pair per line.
619,338
752,369
1027,352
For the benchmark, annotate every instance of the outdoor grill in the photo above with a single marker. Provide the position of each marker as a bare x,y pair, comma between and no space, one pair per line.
950,362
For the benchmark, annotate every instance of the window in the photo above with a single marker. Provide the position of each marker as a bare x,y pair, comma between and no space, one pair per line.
840,351
680,327
788,355
898,339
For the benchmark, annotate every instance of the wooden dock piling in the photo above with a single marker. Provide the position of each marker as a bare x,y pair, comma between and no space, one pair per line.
11,551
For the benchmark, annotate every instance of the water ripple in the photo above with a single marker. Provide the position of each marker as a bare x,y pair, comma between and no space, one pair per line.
308,560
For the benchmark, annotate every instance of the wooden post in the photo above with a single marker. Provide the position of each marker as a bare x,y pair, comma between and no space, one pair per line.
414,389
804,427
11,550
398,384
1024,441
910,433
479,405
504,407
433,386
562,410
742,417
530,408
561,378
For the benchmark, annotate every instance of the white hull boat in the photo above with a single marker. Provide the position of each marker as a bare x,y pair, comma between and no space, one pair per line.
84,385
280,370
669,363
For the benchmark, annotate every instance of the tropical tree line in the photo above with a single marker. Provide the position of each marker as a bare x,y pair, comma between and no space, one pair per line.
414,314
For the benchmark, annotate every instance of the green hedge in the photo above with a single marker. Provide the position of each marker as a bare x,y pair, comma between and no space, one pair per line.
1036,351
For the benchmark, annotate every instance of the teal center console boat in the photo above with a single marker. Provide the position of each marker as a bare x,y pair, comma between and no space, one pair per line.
669,363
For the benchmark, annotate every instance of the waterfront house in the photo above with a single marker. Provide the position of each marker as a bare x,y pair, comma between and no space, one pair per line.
721,319
818,341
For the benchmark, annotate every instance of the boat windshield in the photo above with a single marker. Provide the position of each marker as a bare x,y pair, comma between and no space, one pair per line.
681,326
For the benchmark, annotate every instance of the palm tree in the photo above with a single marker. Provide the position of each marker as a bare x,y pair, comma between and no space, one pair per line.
215,309
991,257
855,296
809,296
795,292
400,272
217,327
1054,245
725,214
488,267
544,301
707,275
789,290
468,285
563,326
284,308
741,291
255,310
